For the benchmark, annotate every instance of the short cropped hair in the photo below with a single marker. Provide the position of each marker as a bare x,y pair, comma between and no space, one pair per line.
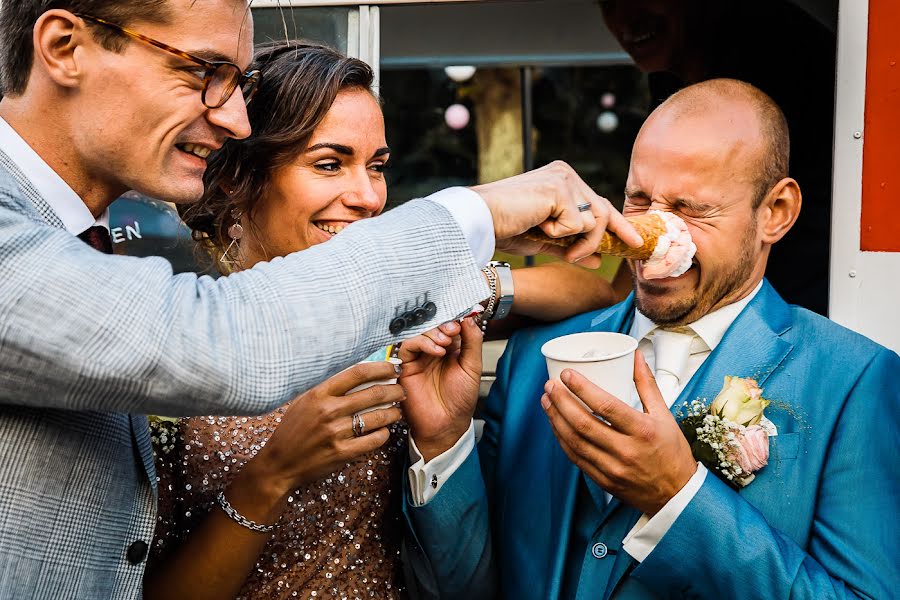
17,19
775,154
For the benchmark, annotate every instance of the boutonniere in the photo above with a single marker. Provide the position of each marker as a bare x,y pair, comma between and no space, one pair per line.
731,435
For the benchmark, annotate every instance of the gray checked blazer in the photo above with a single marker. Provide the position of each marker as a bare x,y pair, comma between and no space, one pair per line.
90,343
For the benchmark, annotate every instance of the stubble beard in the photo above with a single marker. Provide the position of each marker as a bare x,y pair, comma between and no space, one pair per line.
700,301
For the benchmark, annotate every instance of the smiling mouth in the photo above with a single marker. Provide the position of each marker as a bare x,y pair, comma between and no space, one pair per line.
333,230
195,149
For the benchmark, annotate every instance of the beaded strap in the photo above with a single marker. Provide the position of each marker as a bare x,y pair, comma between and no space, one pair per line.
488,313
240,519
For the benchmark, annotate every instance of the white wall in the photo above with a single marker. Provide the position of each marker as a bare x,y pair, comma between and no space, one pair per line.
865,286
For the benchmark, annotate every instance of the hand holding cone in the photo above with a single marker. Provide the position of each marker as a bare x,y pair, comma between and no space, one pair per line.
651,226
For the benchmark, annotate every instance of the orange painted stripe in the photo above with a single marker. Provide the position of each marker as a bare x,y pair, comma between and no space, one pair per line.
880,219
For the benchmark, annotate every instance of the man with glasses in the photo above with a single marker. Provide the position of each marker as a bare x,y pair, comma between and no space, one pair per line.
102,97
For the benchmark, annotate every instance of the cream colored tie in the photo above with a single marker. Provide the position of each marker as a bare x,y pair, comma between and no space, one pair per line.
671,351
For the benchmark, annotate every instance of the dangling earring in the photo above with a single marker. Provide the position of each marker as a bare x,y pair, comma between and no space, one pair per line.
233,254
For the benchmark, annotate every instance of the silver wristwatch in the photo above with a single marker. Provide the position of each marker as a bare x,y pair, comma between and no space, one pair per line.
505,299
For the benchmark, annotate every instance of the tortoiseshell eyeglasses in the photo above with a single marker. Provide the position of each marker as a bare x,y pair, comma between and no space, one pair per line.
220,78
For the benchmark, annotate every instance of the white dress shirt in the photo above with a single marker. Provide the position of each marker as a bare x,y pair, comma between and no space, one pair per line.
426,479
67,205
465,206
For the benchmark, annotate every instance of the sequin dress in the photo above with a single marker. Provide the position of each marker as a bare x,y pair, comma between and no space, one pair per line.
338,538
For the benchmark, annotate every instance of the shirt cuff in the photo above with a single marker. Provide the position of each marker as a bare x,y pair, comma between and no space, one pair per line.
474,218
426,479
648,532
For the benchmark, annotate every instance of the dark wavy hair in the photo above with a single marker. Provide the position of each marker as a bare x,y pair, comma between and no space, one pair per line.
300,81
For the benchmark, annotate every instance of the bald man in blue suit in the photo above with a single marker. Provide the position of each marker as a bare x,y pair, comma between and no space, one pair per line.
554,503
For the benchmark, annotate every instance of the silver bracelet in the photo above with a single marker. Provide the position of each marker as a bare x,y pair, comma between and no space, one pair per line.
240,519
488,313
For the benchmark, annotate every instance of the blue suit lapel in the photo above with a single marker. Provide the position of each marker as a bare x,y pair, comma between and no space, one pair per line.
565,475
752,347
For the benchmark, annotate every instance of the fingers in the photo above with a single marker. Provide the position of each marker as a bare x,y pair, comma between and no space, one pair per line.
625,230
370,397
375,419
433,342
360,373
586,458
617,413
566,412
358,446
471,340
646,386
588,243
582,451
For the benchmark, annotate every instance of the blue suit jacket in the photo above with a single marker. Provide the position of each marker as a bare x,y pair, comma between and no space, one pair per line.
819,521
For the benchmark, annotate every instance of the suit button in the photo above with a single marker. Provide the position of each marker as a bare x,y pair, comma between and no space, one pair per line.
397,325
430,309
419,316
599,550
137,552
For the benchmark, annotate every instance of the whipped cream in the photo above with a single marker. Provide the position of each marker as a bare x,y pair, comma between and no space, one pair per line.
674,250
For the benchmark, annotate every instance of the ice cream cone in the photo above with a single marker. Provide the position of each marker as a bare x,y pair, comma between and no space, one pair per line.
650,226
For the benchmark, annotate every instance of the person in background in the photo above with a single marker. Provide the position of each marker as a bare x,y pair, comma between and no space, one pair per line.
773,45
313,166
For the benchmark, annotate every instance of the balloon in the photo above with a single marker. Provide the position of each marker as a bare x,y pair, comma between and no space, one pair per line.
460,73
607,121
456,116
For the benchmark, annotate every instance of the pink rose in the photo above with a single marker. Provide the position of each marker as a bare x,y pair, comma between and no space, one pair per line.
753,448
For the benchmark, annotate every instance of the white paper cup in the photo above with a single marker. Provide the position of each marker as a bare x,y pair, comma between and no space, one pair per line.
606,359
368,384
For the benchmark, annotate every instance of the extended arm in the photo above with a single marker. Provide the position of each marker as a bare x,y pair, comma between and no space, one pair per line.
552,292
87,331
449,544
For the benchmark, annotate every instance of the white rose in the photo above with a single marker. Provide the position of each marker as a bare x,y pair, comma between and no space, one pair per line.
740,401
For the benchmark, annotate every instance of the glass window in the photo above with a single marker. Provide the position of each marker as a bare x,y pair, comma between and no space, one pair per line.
327,25
463,133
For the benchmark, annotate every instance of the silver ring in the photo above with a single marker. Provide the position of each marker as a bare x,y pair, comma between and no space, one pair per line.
584,207
359,426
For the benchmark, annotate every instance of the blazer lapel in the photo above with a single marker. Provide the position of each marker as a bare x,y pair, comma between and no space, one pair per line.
752,347
140,435
565,475
28,190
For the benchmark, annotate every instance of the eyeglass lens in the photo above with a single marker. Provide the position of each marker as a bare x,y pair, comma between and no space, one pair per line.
222,82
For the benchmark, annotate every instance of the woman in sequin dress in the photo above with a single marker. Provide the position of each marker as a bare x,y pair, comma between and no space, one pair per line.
313,164
317,155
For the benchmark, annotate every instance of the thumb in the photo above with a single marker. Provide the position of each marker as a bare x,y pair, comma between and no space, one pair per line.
470,348
646,386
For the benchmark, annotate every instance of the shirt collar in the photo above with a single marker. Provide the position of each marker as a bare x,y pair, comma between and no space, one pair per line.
67,205
710,328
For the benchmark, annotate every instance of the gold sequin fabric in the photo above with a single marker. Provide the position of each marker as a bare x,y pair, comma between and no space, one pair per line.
338,538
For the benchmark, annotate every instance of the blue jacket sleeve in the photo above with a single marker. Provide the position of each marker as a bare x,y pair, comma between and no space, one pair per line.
448,548
722,547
